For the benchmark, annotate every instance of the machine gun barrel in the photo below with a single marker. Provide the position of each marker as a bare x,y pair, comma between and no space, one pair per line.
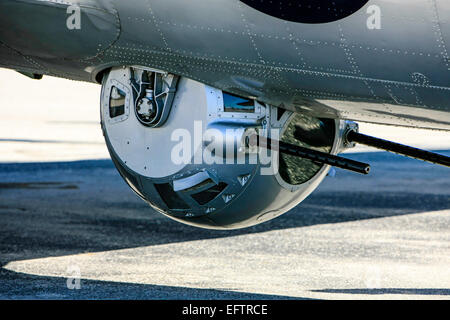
313,155
353,136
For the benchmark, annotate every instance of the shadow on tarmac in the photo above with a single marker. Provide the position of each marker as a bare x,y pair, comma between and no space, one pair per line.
99,213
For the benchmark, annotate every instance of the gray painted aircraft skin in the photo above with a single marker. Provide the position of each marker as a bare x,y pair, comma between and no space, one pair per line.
389,62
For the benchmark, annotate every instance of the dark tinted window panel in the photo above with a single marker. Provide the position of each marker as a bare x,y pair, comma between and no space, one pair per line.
170,197
307,132
234,103
208,195
116,102
280,113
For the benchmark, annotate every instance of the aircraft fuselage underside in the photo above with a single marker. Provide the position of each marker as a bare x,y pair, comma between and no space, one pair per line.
388,62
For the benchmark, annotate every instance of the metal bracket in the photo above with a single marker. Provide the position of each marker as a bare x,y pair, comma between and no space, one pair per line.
153,87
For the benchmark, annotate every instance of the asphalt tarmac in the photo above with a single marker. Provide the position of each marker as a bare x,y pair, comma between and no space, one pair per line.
68,222
74,230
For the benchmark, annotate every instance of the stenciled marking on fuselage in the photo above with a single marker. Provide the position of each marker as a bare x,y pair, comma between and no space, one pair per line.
308,11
